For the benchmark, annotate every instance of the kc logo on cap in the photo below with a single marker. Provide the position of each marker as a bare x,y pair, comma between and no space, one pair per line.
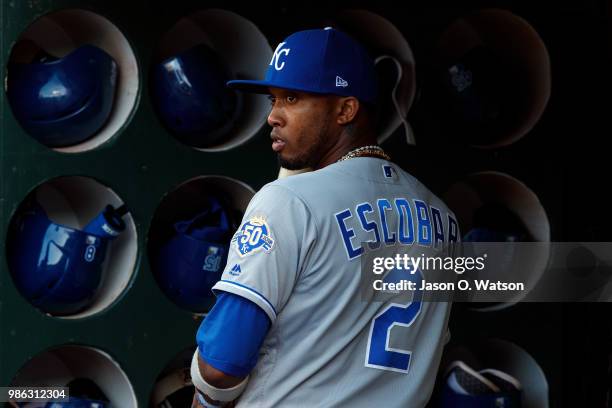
318,61
277,54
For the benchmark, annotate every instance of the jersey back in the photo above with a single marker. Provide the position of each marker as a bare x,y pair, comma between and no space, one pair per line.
297,255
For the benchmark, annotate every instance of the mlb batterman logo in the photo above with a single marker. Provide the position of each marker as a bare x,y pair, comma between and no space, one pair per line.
253,236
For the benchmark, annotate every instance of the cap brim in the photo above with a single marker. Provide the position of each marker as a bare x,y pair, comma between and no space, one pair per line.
263,87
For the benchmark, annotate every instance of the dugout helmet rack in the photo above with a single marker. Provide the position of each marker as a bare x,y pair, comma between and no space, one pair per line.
61,32
476,190
508,357
130,161
72,202
221,30
477,54
59,365
189,198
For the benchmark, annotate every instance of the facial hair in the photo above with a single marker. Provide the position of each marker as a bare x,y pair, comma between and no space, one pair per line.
312,153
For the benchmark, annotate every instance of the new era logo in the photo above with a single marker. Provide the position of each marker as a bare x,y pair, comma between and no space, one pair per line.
341,82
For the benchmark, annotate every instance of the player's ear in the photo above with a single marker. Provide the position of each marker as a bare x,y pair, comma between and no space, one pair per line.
347,110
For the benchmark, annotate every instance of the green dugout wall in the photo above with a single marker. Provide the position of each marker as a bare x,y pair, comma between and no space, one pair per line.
140,329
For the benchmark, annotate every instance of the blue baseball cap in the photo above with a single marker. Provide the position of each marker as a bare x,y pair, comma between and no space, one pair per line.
322,61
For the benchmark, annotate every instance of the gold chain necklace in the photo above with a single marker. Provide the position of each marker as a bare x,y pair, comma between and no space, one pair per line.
375,151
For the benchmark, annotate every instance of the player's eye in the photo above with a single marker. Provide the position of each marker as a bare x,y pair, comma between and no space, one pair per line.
291,99
272,99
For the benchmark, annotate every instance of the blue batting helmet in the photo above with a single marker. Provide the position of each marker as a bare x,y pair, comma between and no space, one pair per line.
191,98
56,268
192,260
465,387
63,101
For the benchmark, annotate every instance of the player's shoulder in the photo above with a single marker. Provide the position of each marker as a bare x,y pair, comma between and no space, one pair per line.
290,188
301,190
298,184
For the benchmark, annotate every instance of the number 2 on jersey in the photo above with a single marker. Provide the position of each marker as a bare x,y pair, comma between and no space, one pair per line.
379,353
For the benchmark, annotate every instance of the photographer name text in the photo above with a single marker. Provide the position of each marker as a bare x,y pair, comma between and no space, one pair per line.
463,284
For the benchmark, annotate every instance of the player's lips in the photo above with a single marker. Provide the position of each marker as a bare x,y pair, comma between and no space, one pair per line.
277,143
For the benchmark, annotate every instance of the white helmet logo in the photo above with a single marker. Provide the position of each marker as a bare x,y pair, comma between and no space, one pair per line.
277,54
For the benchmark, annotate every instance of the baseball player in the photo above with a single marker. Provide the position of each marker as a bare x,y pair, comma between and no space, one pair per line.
289,328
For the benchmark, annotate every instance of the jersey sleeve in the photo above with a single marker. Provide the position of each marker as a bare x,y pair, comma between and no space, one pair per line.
269,249
230,336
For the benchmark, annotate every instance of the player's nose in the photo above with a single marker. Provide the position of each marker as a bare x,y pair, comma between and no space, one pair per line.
275,118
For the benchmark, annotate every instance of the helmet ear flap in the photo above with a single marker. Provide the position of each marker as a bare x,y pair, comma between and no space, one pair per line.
58,269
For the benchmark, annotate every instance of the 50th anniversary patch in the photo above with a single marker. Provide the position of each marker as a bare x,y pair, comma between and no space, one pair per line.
253,236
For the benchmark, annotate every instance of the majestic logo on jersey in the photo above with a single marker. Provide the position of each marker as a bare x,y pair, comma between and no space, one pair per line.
253,236
235,271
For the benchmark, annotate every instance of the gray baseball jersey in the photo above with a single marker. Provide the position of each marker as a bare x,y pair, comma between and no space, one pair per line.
297,256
